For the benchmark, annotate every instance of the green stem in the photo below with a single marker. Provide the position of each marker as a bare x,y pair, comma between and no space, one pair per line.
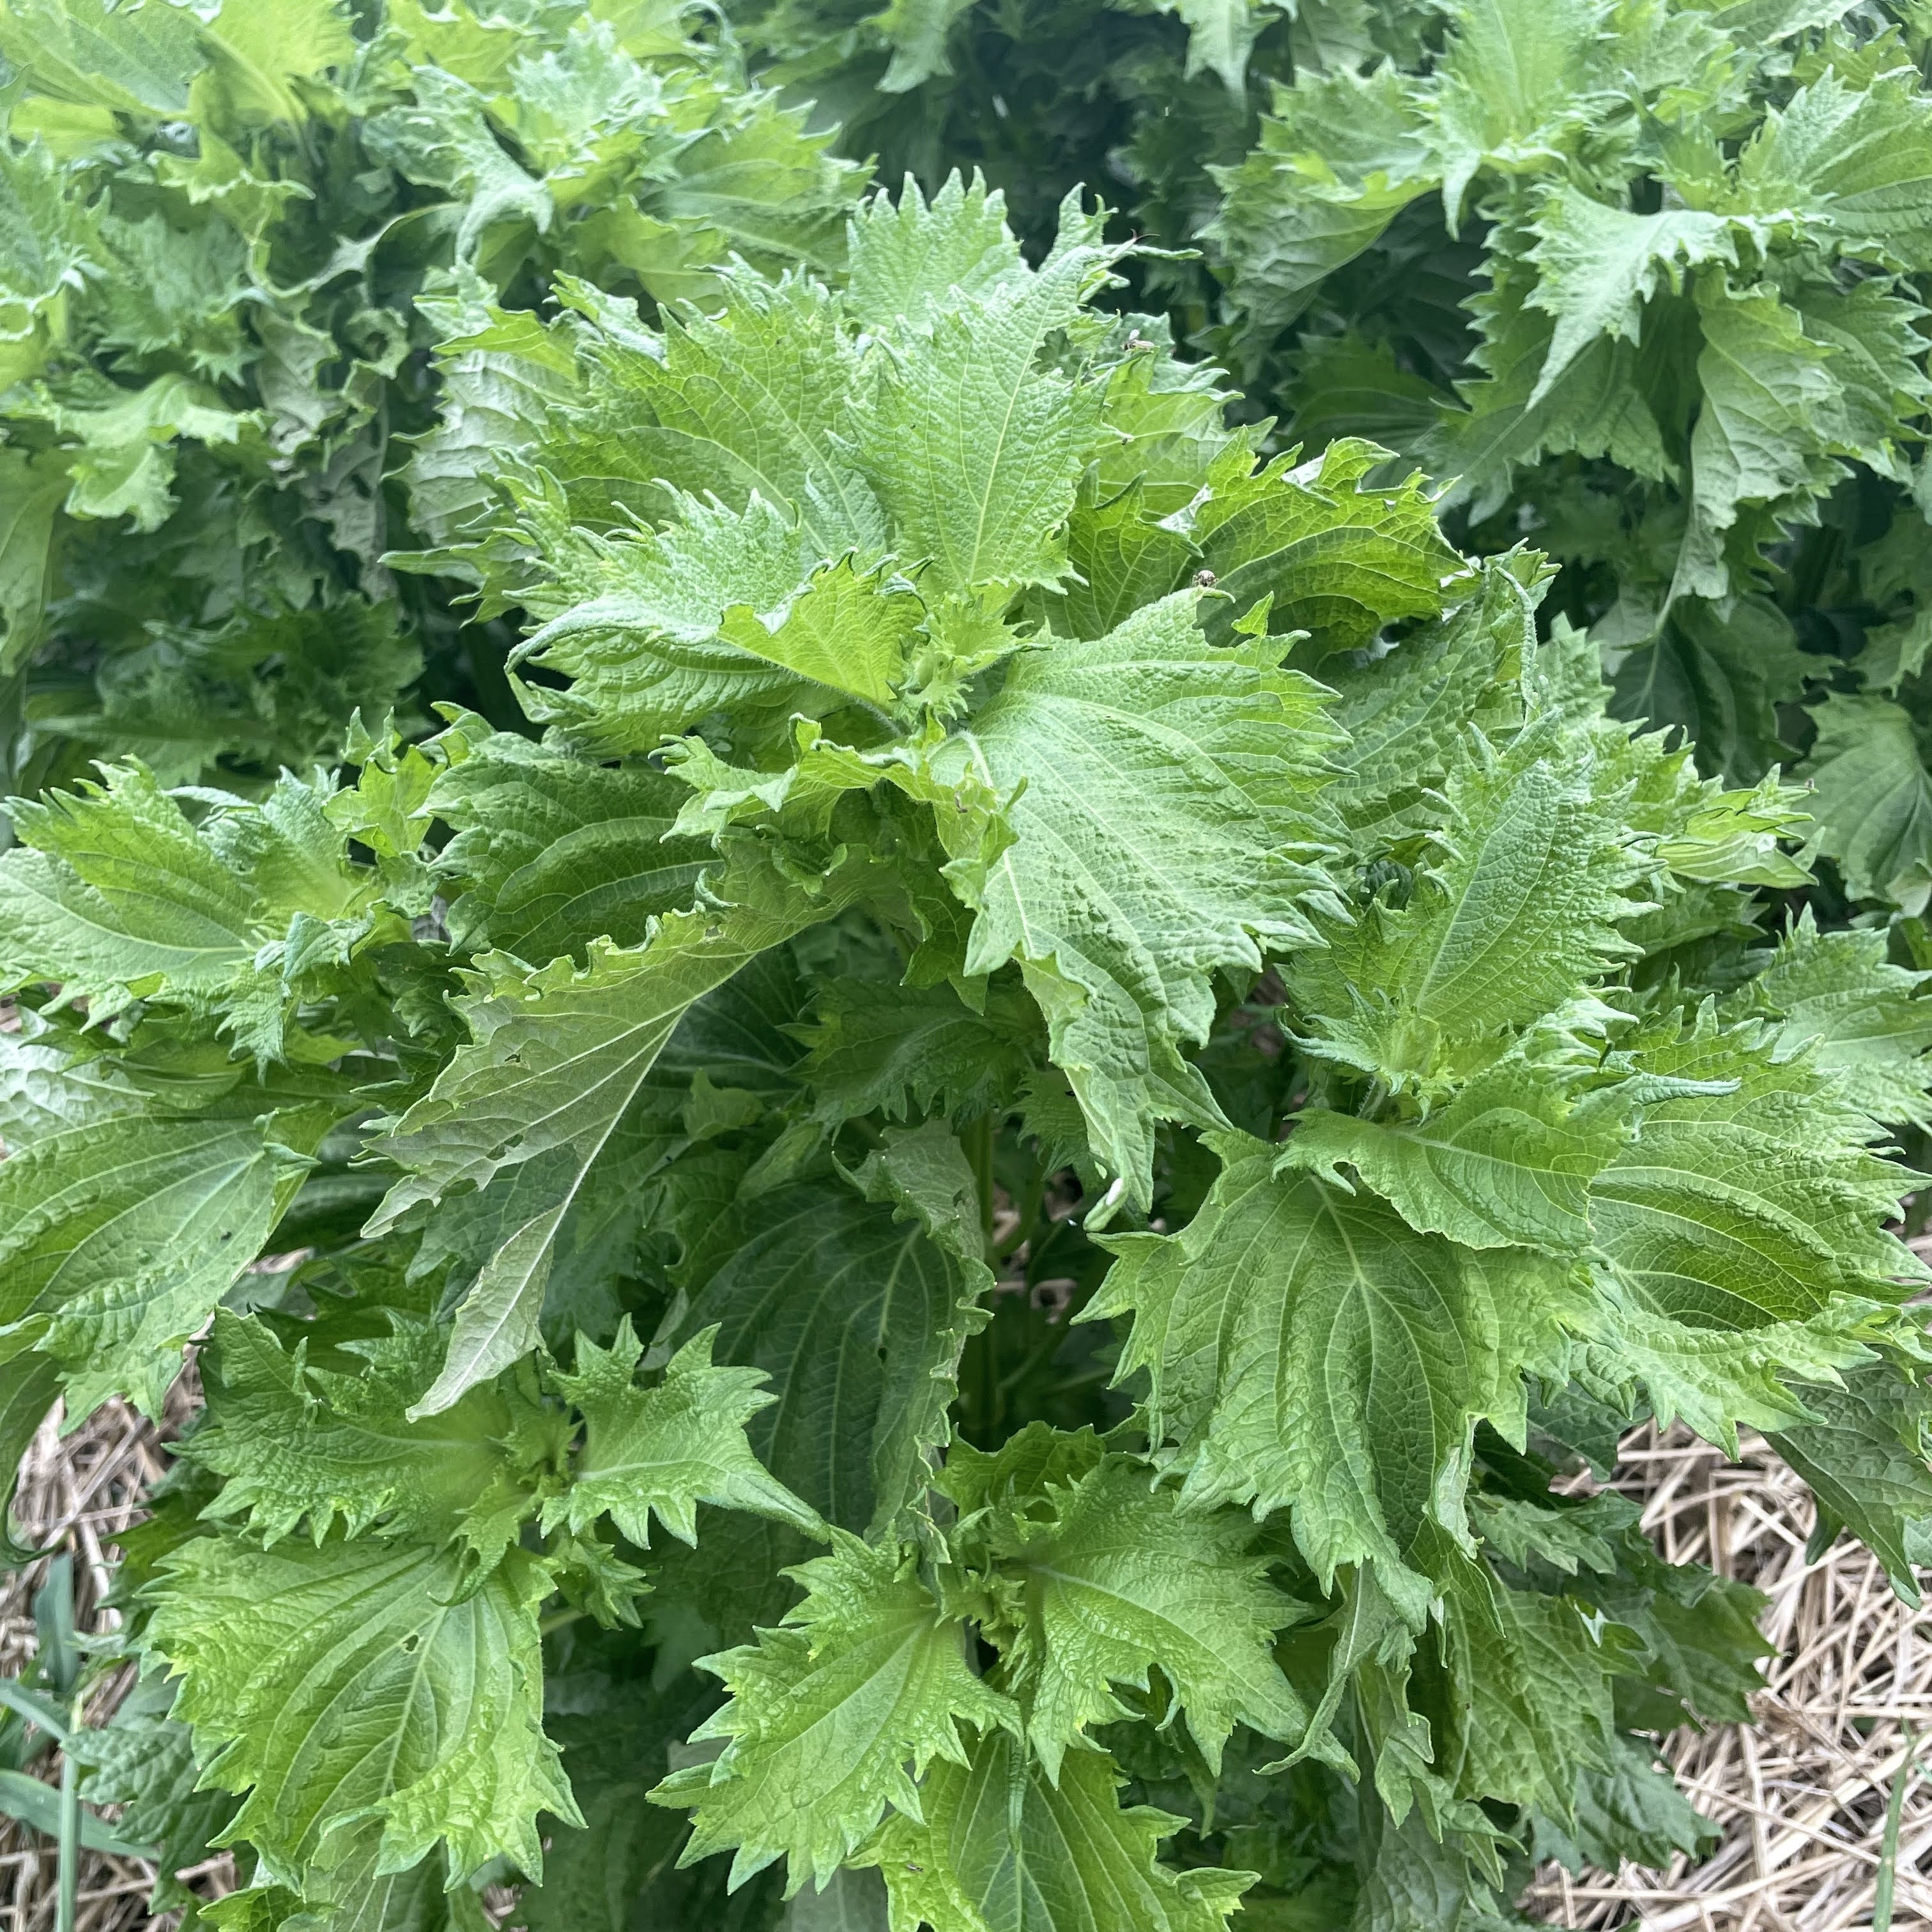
978,1386
1818,554
70,1846
1029,1214
978,1139
1041,1351
1888,1862
1087,1378
12,716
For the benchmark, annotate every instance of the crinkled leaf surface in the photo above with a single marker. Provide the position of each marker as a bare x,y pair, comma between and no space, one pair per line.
352,1681
1310,1351
557,1058
826,1711
1004,1848
1158,840
664,1450
1115,1577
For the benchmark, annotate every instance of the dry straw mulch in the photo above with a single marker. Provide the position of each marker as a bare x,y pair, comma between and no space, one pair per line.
76,1493
1802,1797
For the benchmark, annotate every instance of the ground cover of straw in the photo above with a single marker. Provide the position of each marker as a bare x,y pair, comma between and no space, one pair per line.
1802,1796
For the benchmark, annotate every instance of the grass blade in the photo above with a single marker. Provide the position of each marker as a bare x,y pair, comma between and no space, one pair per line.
1887,1861
38,1806
34,1708
69,1847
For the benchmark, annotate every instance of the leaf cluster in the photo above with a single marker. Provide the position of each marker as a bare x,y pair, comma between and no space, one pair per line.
233,235
1641,280
927,1257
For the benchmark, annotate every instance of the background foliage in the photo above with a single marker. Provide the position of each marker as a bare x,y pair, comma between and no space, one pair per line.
233,242
1639,281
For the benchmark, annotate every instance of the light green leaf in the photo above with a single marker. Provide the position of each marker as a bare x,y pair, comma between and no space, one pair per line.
1763,433
858,1316
1867,1453
1124,559
973,448
1717,1380
354,1681
911,1050
1111,1577
91,52
1171,417
847,629
1408,714
1515,72
1872,800
123,462
914,258
1509,1160
1756,1200
1343,154
259,50
1520,908
1855,161
1715,837
745,398
44,1091
1220,35
299,1443
667,1448
1308,1350
826,1711
1850,1012
503,373
999,1847
31,491
112,888
177,291
555,1059
1533,1707
1162,835
118,1238
554,851
657,630
1339,557
1598,265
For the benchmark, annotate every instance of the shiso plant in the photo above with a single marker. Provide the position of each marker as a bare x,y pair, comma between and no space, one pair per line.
1640,280
1686,249
941,1250
230,236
